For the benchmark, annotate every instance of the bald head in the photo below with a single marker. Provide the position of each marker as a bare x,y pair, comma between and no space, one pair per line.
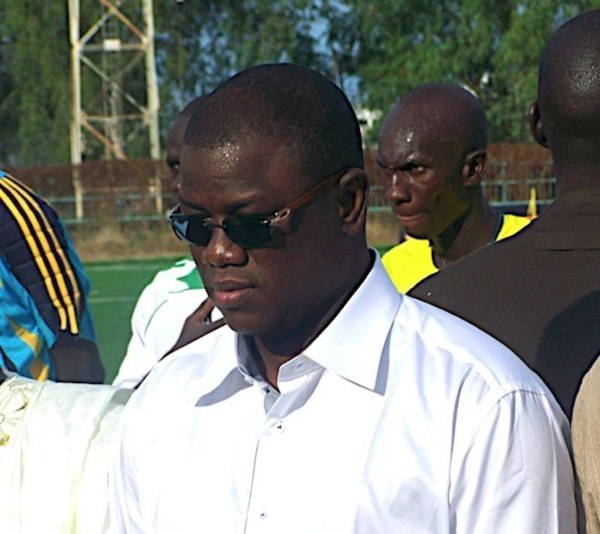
289,104
569,88
444,111
175,143
177,131
432,157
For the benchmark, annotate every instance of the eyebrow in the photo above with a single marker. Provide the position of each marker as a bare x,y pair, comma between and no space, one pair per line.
230,209
411,159
190,205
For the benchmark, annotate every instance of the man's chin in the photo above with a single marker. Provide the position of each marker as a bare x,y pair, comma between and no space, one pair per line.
416,233
243,323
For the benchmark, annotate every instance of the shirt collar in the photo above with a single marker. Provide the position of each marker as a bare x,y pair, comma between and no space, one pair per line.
350,346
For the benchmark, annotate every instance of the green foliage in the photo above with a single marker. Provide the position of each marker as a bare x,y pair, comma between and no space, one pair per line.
375,50
36,59
491,47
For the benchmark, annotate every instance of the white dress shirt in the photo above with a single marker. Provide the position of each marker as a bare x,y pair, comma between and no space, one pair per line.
158,318
398,418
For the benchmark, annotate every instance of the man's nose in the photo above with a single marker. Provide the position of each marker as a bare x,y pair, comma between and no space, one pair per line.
221,251
397,189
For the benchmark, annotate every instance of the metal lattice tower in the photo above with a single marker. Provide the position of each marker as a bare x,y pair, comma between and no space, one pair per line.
114,111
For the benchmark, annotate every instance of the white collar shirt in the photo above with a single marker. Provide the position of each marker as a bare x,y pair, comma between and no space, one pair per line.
397,418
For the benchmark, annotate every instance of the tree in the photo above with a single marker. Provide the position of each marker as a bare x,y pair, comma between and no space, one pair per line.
491,47
36,99
200,45
375,50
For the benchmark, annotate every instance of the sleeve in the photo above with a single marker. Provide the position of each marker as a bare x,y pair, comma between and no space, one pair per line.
139,359
124,487
586,449
515,475
38,250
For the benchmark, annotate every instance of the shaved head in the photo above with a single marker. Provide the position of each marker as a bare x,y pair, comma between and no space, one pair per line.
569,87
448,111
432,157
292,105
175,143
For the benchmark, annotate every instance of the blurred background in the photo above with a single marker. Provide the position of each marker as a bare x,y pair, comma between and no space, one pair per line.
89,88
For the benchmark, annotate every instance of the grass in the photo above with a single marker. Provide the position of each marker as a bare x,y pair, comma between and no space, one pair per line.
116,287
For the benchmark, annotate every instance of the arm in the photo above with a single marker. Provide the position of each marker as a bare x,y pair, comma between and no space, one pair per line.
124,491
77,360
586,449
514,475
198,324
51,285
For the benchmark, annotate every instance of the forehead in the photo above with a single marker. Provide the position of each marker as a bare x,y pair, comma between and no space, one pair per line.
239,173
416,130
175,137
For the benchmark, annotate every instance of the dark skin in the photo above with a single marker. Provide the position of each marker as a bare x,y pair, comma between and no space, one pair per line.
174,144
77,360
262,292
432,155
565,117
196,325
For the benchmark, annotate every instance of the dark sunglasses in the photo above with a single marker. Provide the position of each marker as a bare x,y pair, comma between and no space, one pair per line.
247,231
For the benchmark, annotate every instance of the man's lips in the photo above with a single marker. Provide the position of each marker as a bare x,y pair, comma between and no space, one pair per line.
230,293
408,219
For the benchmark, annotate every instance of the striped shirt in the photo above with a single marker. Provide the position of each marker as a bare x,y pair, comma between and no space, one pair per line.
43,286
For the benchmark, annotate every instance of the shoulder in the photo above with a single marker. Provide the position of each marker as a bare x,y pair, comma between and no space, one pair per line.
178,277
164,283
408,263
19,200
586,442
179,377
180,268
480,271
456,347
586,414
512,224
406,249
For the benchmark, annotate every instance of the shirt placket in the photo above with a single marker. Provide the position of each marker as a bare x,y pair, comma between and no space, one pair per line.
272,449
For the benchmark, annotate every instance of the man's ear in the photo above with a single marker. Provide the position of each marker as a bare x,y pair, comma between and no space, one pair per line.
474,167
353,193
536,126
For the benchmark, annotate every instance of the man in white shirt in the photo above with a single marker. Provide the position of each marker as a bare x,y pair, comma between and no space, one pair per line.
346,408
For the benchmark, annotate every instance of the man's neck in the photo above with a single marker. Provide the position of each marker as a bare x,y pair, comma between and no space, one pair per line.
271,352
478,228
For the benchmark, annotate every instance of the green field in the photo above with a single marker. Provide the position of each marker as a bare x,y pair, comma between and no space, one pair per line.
115,289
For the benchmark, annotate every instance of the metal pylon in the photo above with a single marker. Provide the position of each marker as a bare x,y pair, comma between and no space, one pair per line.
114,110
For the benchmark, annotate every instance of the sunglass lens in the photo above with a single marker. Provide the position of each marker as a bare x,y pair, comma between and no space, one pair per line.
192,230
197,232
248,233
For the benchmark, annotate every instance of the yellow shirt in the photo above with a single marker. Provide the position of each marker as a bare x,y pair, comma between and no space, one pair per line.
412,261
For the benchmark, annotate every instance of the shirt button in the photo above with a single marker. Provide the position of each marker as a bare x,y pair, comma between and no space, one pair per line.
279,426
262,515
